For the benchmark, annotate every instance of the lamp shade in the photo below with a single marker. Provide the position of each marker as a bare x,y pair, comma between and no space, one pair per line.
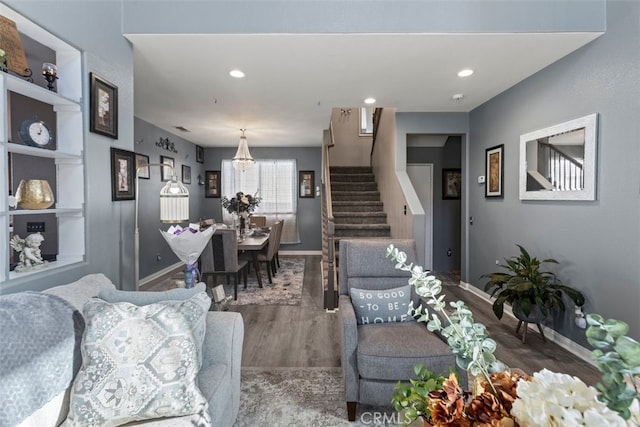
174,202
243,160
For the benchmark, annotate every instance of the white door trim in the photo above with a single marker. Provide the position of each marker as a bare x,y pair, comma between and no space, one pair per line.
424,175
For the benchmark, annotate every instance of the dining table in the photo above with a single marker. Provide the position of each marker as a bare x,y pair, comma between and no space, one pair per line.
252,244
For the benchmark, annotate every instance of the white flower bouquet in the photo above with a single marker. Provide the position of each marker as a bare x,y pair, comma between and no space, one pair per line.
188,243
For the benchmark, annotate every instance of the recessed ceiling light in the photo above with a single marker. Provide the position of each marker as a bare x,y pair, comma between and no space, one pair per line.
370,101
238,74
457,97
465,73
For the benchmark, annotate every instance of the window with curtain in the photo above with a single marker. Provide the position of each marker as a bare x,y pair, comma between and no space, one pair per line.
275,182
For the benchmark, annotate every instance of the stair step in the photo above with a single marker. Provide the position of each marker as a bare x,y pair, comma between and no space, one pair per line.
360,218
362,206
350,169
352,177
354,186
363,230
339,196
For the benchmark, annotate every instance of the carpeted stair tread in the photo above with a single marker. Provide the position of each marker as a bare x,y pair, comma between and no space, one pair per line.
350,169
338,196
352,177
354,186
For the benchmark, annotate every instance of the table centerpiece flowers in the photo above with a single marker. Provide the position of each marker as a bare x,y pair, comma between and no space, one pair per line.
503,397
241,205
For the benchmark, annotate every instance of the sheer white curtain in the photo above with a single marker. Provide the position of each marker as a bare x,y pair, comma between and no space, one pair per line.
275,182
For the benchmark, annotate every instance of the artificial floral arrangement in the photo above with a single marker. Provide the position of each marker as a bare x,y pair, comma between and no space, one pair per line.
3,60
242,204
505,398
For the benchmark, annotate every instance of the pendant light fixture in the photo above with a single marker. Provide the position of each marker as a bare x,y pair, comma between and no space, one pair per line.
243,160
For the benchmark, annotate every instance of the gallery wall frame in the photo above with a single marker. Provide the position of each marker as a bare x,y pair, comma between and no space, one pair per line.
451,183
494,171
186,174
199,154
212,184
103,111
165,172
122,175
306,181
142,160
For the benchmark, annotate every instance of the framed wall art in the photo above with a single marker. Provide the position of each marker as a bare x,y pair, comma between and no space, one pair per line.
186,174
166,172
212,184
122,175
199,154
494,171
451,184
306,180
103,115
142,160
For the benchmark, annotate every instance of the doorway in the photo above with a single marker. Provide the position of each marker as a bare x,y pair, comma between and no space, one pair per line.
421,176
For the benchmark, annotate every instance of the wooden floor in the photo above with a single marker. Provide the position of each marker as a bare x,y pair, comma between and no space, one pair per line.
308,336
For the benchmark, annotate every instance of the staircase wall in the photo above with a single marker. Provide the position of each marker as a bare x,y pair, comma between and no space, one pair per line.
350,149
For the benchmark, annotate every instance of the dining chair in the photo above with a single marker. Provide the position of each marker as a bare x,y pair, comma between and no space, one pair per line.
267,256
258,221
220,258
277,256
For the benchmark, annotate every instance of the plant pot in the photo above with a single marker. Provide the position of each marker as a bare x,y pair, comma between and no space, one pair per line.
535,316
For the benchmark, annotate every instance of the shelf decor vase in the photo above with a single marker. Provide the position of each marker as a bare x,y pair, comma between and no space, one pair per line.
34,194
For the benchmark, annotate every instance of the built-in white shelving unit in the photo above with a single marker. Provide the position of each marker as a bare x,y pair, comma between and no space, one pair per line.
66,102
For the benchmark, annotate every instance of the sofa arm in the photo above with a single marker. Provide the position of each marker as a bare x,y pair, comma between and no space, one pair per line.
349,340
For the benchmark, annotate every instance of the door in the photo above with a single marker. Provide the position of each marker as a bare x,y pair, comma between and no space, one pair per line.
421,176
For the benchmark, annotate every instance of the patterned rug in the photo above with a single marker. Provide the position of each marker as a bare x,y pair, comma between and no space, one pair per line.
286,288
297,397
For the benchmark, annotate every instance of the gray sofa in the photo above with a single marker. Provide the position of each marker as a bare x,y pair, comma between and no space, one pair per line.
218,378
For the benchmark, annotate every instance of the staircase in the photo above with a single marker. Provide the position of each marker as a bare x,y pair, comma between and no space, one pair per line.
356,205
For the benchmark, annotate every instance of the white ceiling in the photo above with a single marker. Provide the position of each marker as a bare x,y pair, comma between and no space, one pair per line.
293,81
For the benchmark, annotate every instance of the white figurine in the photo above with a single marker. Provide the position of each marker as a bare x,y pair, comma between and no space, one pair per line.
29,249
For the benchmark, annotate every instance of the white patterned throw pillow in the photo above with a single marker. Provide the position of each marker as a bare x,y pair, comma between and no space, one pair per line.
381,306
140,363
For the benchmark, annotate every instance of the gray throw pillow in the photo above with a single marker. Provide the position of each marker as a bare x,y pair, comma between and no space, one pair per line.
140,363
381,306
148,297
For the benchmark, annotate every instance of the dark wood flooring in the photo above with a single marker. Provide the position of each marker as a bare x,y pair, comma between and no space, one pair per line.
308,336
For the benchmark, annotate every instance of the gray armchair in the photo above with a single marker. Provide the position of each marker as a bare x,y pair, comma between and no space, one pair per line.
375,356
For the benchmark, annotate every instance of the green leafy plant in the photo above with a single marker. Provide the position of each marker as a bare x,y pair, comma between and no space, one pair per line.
413,397
618,358
525,285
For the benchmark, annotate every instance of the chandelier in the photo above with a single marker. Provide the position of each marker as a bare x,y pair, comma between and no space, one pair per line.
243,160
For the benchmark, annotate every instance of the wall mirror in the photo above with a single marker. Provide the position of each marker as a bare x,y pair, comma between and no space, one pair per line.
559,162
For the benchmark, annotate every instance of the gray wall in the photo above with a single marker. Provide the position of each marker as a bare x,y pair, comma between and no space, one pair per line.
152,244
309,212
446,213
597,243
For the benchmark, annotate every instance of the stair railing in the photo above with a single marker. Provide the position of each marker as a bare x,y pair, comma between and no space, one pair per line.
563,171
376,123
328,229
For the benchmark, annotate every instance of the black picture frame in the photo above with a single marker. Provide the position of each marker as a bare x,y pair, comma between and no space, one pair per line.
212,184
141,160
165,172
103,111
307,184
186,174
199,154
451,183
122,175
494,171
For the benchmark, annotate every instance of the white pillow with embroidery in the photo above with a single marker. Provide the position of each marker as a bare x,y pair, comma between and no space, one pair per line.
140,362
381,306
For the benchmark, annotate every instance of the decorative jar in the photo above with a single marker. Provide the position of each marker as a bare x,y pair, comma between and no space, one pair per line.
34,194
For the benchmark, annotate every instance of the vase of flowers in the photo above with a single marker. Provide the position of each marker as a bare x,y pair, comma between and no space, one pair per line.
241,205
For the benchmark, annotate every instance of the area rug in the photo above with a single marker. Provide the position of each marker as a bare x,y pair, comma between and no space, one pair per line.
297,397
286,288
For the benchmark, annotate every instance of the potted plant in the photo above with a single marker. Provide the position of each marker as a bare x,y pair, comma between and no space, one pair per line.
532,293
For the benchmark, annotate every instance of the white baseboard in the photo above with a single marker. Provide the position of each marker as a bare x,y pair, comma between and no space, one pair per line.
300,252
160,273
549,333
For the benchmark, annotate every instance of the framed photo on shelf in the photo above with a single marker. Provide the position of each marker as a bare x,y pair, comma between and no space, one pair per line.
103,114
212,184
141,160
186,174
122,175
306,180
165,172
199,154
494,170
451,184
